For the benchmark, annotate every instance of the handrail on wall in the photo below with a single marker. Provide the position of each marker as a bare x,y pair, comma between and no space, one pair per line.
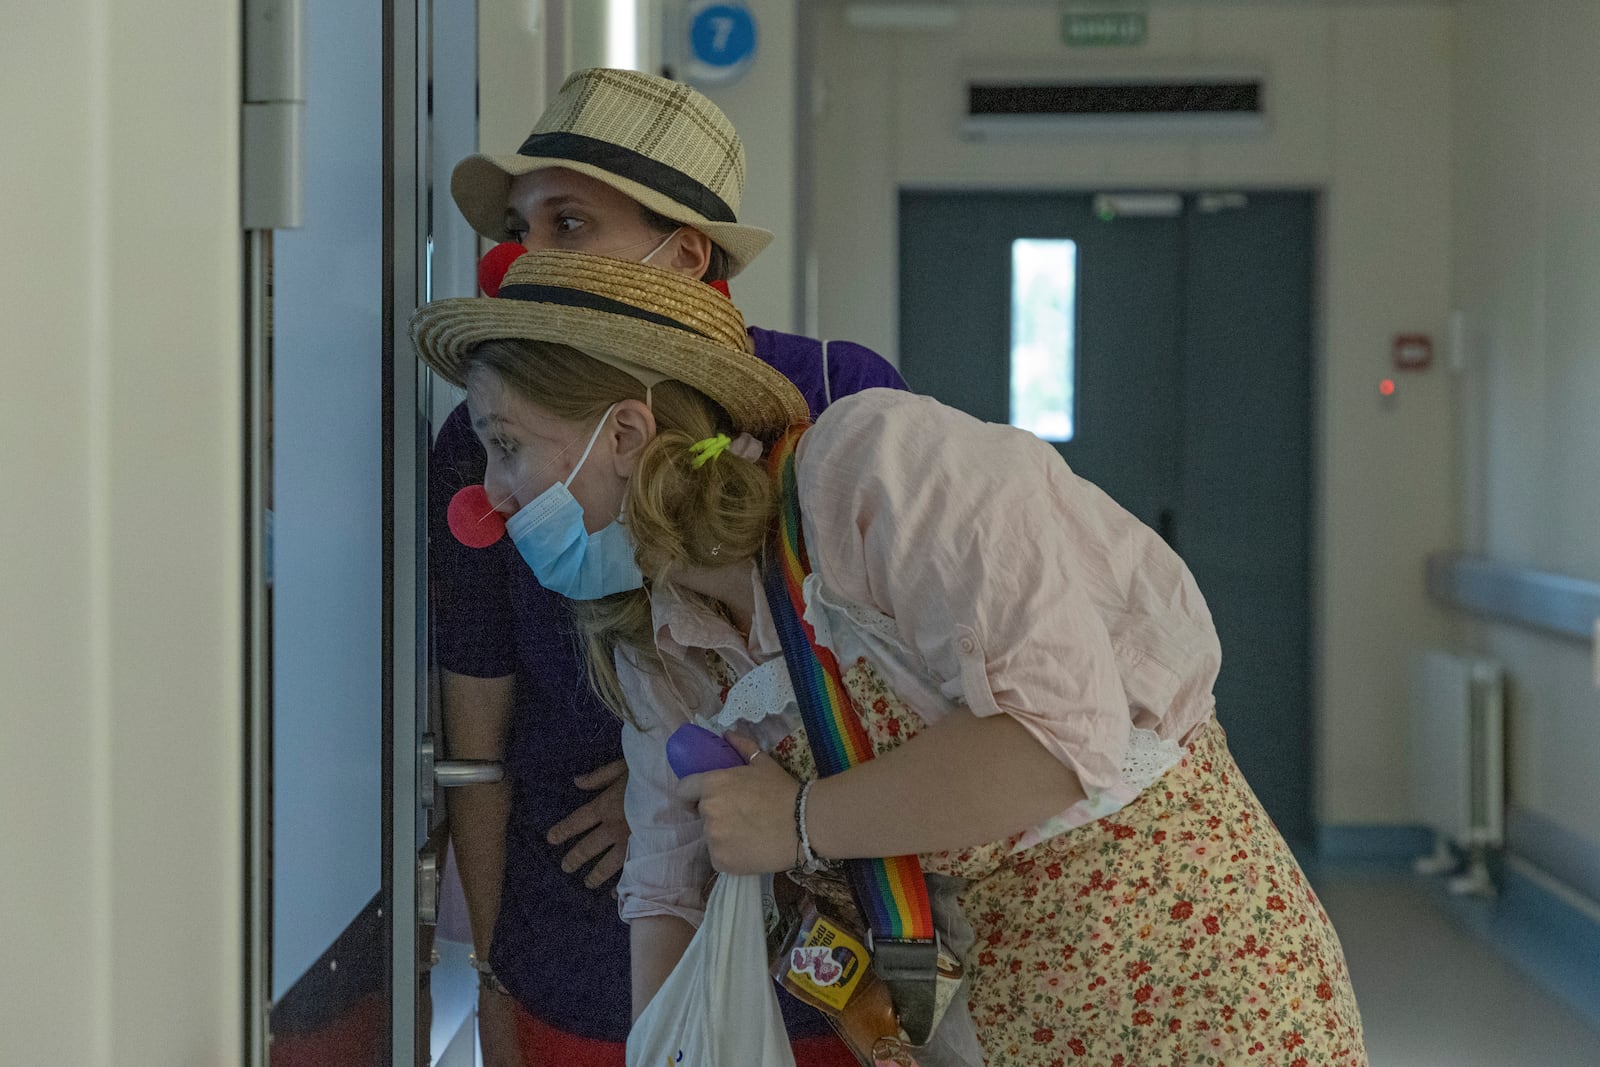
1552,603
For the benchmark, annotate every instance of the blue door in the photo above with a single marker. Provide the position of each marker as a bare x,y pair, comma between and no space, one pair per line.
1163,343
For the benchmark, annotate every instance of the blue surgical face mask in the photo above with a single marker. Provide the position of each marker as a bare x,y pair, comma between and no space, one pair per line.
565,557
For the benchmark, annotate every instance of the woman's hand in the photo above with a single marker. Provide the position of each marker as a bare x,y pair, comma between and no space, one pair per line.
748,813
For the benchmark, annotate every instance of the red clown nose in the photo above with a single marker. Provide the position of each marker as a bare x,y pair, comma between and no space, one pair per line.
473,520
494,264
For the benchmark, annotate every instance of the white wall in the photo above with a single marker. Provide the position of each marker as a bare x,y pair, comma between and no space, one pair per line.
763,109
1360,102
120,570
511,74
1527,249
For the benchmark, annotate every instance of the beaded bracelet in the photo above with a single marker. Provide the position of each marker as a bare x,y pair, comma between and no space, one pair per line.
810,861
799,828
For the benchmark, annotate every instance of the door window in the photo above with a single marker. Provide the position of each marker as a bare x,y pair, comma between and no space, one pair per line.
1044,301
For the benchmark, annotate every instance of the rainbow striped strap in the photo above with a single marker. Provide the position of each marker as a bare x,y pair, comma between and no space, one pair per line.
891,893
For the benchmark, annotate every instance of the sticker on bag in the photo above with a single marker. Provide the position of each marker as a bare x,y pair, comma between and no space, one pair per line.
825,964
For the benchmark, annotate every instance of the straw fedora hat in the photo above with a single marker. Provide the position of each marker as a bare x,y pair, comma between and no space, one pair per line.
654,324
658,141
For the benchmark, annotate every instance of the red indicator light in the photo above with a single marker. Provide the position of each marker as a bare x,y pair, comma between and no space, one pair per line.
1386,387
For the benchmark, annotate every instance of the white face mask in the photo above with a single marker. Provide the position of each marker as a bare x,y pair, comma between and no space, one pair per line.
550,534
660,246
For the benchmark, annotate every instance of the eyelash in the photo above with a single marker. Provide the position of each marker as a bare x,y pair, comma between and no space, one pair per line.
517,228
506,448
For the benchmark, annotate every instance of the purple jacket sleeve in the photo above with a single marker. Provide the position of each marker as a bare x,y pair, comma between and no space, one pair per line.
470,587
824,373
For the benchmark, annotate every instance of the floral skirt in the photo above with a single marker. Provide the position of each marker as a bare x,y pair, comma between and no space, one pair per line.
1180,930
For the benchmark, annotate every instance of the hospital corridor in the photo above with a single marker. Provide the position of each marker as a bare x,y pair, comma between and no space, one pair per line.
1179,417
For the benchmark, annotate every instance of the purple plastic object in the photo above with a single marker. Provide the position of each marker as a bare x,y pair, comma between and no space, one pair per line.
694,750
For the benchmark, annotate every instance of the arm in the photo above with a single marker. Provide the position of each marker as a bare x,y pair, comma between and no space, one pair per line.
472,626
992,558
963,781
657,943
661,895
477,712
988,555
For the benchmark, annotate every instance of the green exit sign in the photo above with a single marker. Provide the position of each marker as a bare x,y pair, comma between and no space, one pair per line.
1104,29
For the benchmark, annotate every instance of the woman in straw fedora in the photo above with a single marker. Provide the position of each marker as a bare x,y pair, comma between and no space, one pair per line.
1032,667
635,167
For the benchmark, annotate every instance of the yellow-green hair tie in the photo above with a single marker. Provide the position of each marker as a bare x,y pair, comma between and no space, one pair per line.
709,449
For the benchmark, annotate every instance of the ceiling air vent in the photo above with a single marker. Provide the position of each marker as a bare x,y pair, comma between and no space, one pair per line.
1175,104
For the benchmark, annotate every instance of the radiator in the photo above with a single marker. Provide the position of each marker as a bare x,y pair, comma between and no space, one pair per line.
1458,760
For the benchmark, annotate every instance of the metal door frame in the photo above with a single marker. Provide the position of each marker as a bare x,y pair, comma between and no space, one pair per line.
404,696
406,79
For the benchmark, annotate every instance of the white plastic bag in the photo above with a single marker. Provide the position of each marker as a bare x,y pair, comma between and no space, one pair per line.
718,1007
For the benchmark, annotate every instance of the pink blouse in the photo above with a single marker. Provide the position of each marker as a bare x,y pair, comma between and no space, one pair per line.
974,570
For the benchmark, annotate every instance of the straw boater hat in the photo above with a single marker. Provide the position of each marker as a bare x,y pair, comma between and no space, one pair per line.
654,324
657,141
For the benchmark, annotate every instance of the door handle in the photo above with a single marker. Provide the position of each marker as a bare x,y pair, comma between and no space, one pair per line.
453,772
450,773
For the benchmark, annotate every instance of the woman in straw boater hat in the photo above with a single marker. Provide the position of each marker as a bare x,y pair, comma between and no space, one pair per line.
635,167
1031,667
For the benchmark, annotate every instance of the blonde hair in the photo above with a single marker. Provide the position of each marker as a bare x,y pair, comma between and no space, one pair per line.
678,515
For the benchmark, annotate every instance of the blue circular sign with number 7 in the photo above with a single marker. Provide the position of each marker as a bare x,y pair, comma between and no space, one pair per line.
722,41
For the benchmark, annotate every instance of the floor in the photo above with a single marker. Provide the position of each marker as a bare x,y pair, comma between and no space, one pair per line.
1432,995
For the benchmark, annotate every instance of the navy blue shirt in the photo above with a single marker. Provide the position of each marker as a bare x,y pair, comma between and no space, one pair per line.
558,945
